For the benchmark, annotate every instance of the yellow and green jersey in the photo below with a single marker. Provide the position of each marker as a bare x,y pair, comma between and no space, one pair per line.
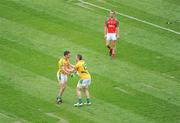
63,62
81,68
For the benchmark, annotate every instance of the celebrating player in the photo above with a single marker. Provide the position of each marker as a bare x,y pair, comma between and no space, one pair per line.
65,69
84,82
111,32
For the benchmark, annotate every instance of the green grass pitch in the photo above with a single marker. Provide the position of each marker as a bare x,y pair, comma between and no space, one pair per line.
141,85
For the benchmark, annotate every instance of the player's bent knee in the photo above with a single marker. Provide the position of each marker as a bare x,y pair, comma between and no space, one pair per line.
113,43
78,88
63,85
107,43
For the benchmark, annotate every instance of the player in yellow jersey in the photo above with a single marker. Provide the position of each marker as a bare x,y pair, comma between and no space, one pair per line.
64,70
84,81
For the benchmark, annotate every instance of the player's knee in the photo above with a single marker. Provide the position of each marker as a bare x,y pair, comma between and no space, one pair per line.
107,43
108,46
63,86
86,90
78,89
113,45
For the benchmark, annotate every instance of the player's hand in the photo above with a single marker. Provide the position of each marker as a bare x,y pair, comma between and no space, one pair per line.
117,36
68,73
105,36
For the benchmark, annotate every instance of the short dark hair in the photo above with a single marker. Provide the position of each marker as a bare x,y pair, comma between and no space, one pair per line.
66,52
79,56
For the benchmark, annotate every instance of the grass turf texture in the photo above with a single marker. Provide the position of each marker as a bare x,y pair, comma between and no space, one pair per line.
142,85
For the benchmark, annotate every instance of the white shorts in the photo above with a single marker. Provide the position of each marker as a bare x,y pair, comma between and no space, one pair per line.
111,37
84,83
62,78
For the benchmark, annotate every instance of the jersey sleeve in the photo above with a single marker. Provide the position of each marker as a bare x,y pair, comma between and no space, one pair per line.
61,63
76,67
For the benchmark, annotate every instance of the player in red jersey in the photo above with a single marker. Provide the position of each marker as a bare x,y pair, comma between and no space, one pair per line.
111,32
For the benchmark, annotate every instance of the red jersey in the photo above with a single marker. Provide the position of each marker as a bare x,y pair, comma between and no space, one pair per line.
111,25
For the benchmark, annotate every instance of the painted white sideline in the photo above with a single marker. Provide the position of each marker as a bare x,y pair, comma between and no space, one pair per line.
6,116
61,120
122,90
83,6
150,86
131,17
15,120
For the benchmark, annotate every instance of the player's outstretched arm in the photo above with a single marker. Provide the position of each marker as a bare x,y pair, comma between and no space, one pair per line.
72,66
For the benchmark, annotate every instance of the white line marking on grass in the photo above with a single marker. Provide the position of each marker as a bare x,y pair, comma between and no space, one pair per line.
150,86
122,90
61,120
83,6
131,17
6,116
170,76
14,118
